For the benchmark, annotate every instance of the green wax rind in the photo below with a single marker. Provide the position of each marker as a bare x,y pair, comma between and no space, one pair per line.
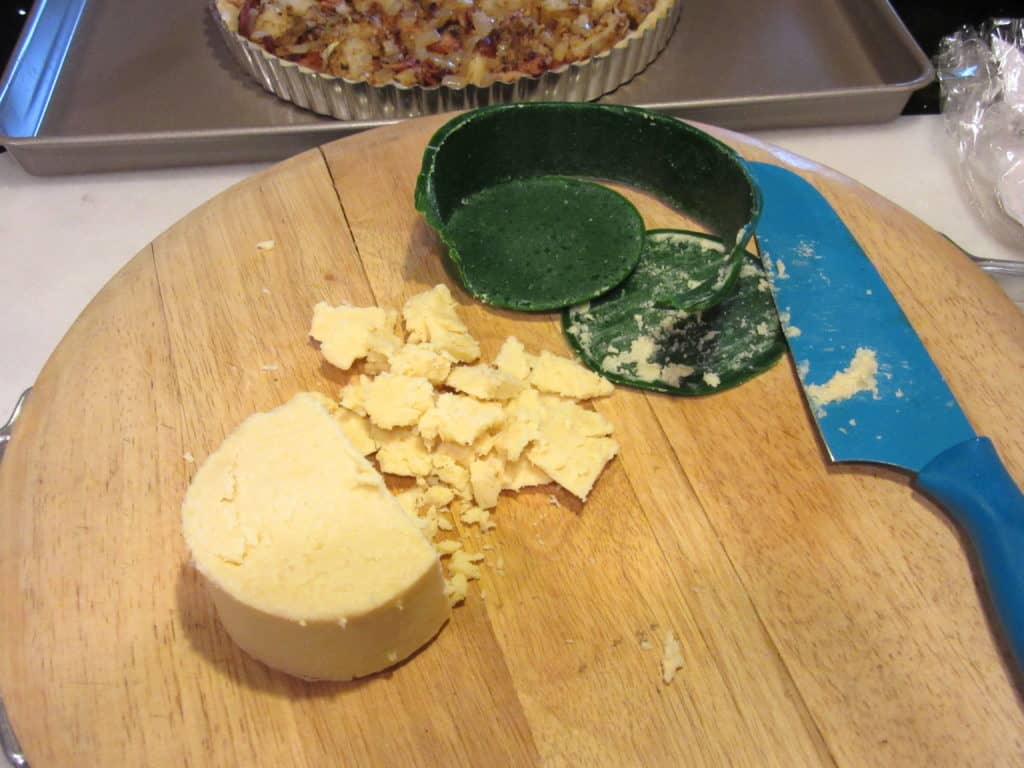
681,165
630,340
544,242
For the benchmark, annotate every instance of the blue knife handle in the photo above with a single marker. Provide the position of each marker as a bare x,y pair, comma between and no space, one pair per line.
971,483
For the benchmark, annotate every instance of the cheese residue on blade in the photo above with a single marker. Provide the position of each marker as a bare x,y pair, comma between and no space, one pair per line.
858,376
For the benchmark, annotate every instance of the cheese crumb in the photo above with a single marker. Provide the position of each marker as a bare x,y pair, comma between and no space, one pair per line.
465,563
448,547
562,376
189,457
356,429
401,452
523,474
671,658
265,245
484,382
421,360
459,419
485,476
572,448
394,400
478,516
455,589
513,359
431,316
347,333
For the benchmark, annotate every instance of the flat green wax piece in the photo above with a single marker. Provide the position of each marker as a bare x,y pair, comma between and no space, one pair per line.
543,242
626,337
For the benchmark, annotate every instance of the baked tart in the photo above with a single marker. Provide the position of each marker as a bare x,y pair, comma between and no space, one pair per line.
359,59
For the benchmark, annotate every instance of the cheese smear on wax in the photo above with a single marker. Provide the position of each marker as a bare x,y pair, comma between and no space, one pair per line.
314,567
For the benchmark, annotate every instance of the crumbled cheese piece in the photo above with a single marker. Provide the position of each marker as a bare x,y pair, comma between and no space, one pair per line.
485,476
712,379
265,245
570,448
478,516
858,376
555,410
448,547
522,424
465,563
523,474
356,429
460,419
463,455
393,400
410,501
421,360
671,658
452,474
484,382
268,367
401,452
438,496
189,457
455,588
513,359
347,333
353,394
566,377
431,316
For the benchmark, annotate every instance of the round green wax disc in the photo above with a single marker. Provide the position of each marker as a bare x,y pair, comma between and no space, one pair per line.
627,337
544,242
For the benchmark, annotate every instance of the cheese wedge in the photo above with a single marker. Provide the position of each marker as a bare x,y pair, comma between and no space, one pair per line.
314,567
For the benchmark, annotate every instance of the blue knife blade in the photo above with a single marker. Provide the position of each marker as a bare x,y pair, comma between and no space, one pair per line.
873,389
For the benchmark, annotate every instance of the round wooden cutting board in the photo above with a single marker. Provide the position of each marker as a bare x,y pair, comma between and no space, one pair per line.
827,614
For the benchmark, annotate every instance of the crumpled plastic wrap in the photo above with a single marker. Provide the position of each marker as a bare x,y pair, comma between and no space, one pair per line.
981,76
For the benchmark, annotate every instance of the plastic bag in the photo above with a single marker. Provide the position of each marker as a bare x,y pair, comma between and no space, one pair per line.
981,76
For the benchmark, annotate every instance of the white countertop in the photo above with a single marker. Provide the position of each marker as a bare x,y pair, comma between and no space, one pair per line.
62,238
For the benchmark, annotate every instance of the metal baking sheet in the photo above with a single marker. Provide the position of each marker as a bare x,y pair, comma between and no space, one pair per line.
102,85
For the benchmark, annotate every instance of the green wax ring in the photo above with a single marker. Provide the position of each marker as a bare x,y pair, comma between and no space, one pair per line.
627,338
545,242
681,165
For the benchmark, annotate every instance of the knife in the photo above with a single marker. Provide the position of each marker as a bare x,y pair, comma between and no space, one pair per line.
875,393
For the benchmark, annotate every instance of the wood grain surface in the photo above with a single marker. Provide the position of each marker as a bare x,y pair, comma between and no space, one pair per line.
828,615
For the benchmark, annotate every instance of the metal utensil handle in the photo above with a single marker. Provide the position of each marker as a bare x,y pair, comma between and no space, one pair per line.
9,746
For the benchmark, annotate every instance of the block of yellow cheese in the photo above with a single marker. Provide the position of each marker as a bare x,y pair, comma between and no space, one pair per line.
314,567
